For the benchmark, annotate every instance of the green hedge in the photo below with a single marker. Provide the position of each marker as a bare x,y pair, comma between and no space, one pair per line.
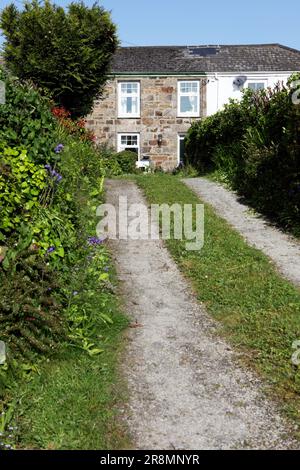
48,180
256,144
121,163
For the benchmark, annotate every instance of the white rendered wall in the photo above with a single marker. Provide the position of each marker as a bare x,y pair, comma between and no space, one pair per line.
221,88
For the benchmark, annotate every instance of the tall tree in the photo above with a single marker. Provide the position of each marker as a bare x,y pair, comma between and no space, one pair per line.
67,52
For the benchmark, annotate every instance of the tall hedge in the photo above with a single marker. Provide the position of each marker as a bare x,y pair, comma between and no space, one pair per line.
256,144
67,52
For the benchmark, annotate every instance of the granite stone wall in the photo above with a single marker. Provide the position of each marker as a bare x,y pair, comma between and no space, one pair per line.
158,115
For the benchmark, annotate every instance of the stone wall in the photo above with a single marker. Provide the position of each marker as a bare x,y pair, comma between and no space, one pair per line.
159,115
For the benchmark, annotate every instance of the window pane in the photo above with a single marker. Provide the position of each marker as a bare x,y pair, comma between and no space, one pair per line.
129,88
133,88
134,105
255,86
128,105
188,104
189,87
124,105
129,139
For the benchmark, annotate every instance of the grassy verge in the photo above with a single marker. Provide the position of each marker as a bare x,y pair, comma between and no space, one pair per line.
259,311
69,400
71,403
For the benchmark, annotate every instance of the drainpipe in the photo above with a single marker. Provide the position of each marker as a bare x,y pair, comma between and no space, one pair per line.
217,80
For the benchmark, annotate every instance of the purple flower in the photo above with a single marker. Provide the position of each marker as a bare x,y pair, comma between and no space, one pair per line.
106,269
51,249
75,293
54,174
94,241
58,148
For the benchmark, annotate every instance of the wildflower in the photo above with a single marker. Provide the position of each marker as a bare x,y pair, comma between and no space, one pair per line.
58,148
75,293
51,249
106,269
94,241
54,174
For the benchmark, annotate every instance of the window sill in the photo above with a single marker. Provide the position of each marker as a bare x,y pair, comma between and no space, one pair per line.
129,117
189,116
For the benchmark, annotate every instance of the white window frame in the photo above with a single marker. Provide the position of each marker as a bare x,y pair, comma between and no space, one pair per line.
122,147
121,95
180,94
180,137
257,80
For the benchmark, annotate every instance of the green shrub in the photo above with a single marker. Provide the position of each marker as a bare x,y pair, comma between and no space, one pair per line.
127,161
67,53
21,185
119,163
48,180
256,144
30,310
26,120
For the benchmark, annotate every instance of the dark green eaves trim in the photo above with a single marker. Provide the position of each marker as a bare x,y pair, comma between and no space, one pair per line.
158,74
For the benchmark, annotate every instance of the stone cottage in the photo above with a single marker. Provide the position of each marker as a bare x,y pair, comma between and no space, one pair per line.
155,93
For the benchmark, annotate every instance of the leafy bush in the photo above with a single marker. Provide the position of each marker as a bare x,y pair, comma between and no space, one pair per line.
127,161
29,310
26,120
48,180
65,52
119,163
256,144
21,184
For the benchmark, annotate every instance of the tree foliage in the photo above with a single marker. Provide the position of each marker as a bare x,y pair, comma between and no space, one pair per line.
67,52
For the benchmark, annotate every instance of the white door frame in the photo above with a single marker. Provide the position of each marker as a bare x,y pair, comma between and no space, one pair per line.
180,135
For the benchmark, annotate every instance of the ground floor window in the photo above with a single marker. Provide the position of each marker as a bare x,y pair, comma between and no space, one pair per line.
181,148
129,142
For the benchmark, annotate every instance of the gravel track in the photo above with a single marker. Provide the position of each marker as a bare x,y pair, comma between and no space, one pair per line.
283,249
187,390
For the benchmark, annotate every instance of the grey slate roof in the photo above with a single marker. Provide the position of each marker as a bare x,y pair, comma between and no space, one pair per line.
196,59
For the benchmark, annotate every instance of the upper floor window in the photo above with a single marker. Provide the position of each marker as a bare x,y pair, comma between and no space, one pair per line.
189,98
129,99
256,86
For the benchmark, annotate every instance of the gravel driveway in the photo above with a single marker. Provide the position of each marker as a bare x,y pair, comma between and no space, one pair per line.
283,249
186,388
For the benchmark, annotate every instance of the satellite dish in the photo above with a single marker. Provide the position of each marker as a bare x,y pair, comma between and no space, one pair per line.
239,81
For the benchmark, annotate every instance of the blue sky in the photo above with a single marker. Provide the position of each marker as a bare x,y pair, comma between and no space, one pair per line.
163,22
